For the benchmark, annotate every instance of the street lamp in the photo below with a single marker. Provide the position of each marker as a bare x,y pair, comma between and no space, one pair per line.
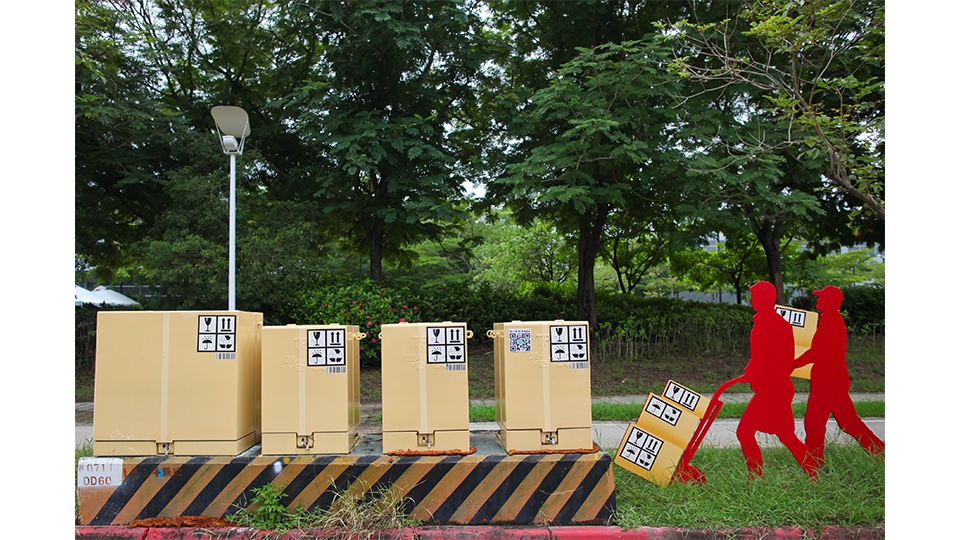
233,126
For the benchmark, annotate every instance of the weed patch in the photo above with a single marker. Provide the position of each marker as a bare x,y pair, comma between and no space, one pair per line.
354,514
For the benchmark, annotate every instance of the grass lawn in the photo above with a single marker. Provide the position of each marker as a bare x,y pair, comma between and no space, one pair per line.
849,493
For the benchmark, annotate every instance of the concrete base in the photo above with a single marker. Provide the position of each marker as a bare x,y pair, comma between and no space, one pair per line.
482,488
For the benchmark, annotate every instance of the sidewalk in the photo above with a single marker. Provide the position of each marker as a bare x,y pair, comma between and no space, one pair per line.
722,433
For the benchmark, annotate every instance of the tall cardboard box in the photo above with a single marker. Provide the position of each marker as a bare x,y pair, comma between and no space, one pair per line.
542,377
425,395
310,389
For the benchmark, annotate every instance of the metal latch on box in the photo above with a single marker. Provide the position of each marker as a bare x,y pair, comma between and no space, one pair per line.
548,437
425,439
305,441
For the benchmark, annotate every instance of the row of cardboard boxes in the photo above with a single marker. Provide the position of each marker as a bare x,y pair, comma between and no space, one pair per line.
219,382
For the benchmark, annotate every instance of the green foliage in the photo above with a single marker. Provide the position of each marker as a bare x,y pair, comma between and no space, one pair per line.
864,309
538,253
817,66
633,327
840,270
266,511
364,303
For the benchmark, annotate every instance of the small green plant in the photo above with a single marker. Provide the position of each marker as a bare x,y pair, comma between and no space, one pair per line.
266,511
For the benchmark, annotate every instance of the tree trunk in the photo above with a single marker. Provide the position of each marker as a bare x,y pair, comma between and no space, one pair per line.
768,232
588,246
375,237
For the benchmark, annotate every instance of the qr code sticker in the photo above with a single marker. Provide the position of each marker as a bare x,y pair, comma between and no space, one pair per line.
521,340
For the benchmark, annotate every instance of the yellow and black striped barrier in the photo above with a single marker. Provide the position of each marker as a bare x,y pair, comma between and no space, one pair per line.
556,489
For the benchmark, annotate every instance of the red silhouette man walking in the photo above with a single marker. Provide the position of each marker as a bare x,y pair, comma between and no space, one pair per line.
768,373
830,380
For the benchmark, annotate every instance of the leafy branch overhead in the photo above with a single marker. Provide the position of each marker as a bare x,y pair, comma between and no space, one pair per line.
819,65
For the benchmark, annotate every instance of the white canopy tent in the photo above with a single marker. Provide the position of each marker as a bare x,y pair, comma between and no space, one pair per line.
113,298
101,296
82,296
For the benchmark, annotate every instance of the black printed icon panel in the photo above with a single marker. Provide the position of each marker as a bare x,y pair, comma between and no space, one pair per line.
446,344
683,396
326,347
216,333
641,448
568,343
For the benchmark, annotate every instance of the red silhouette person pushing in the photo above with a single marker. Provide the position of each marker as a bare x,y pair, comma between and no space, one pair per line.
830,380
768,373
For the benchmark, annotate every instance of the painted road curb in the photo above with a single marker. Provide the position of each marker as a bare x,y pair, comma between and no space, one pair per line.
115,532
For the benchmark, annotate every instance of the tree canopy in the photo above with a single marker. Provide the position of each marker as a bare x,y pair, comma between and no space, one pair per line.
607,133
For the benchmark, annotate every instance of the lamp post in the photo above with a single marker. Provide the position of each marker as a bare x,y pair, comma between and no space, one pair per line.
233,126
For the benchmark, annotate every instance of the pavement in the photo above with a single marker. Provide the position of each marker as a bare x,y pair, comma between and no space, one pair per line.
722,434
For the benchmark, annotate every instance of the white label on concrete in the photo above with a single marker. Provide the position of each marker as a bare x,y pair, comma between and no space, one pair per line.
99,472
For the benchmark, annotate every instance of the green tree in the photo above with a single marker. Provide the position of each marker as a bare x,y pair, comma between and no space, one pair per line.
606,108
819,66
122,141
393,77
738,262
511,255
632,247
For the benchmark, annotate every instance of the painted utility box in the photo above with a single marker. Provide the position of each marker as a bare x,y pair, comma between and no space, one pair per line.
542,376
804,325
425,394
177,383
310,389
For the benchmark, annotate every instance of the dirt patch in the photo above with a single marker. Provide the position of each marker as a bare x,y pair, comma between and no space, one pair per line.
202,522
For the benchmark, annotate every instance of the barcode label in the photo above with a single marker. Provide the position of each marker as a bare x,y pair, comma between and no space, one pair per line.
336,369
456,367
579,365
226,356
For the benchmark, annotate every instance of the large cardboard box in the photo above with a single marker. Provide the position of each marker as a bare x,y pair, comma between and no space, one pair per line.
176,383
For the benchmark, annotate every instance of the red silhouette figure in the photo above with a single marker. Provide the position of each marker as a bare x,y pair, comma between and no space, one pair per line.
830,380
768,373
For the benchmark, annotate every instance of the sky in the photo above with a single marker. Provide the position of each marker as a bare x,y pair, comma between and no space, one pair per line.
36,215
